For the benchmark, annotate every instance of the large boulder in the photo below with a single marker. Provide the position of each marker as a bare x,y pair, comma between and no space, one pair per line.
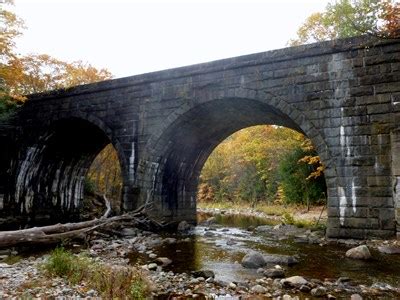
360,252
294,281
253,260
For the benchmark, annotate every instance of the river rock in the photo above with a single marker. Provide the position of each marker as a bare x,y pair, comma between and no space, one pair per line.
356,297
389,249
128,232
360,252
319,291
263,228
259,289
280,259
253,260
169,240
305,288
203,273
152,266
164,261
274,273
183,226
294,281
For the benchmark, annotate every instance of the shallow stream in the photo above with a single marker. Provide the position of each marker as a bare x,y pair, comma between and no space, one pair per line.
221,246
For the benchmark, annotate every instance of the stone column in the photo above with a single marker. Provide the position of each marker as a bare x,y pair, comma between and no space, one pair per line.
395,138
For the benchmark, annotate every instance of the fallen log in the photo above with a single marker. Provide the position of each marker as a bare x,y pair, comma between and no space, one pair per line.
58,233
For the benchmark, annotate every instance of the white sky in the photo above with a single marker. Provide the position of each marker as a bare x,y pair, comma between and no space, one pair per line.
138,36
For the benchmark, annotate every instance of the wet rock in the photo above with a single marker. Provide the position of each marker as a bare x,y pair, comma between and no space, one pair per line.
164,261
209,234
128,232
381,286
91,293
210,221
389,249
305,288
253,260
184,226
280,259
330,297
319,291
343,280
251,228
263,228
258,289
231,242
152,266
288,297
274,273
169,240
232,285
203,273
294,281
356,297
360,252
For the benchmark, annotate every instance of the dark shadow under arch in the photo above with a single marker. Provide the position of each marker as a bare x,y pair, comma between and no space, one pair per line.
51,171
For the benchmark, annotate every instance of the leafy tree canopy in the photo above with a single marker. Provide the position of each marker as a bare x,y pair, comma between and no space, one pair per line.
347,18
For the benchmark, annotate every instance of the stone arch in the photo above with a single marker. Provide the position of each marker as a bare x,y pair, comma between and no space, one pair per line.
52,166
178,150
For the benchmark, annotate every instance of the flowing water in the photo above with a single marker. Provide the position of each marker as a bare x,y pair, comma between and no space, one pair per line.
221,247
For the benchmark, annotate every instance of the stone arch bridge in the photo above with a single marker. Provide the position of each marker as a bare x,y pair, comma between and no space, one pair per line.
344,95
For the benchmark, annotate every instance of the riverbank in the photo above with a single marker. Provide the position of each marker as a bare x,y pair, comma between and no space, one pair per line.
208,262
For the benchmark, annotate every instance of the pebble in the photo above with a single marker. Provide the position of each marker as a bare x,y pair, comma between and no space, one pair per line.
258,289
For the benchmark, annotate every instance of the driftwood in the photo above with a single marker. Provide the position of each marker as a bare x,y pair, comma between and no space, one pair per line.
72,231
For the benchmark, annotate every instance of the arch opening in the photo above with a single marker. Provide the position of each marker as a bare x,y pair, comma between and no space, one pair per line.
51,174
266,167
178,155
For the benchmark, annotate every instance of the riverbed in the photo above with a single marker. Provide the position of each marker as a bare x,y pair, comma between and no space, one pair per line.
217,246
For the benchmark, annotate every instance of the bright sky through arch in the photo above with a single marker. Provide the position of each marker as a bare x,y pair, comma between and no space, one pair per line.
137,36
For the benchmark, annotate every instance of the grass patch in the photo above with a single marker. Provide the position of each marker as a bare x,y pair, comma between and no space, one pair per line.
289,219
110,281
12,259
268,209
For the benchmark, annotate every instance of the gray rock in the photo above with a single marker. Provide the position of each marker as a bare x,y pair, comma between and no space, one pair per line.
274,273
253,260
231,242
164,261
152,266
280,259
389,249
169,240
319,291
356,297
209,234
360,252
305,288
263,228
203,273
294,281
128,232
342,280
184,226
258,289
232,285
